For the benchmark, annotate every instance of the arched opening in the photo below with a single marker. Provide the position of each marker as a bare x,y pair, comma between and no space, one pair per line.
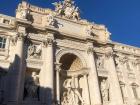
73,80
70,62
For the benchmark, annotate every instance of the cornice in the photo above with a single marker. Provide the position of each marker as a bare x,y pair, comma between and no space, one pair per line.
126,49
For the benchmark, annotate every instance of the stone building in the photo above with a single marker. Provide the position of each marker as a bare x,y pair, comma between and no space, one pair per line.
53,57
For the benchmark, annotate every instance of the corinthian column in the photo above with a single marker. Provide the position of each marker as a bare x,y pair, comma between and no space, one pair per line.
47,71
58,83
95,96
16,72
115,91
86,95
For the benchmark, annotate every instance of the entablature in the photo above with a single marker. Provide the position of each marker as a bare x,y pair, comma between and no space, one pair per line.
47,19
103,73
43,19
71,44
37,37
34,63
125,49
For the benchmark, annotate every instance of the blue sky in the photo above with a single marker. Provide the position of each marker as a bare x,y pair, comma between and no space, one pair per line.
121,17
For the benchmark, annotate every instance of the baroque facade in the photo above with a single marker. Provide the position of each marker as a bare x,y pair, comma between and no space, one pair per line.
52,57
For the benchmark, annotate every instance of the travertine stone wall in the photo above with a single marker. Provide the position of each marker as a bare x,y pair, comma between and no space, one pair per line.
52,57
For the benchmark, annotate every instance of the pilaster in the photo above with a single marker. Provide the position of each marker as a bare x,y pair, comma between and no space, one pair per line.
95,95
115,91
87,93
47,70
17,69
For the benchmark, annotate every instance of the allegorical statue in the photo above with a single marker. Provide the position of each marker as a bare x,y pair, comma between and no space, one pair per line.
59,8
32,87
67,9
76,14
22,13
105,90
71,95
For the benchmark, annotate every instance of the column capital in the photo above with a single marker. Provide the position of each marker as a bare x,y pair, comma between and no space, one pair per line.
20,36
90,50
109,52
121,58
47,42
15,38
58,67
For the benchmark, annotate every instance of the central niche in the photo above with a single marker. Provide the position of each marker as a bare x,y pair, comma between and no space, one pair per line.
70,62
71,80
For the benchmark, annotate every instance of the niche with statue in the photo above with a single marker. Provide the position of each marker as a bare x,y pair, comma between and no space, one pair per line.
31,85
73,81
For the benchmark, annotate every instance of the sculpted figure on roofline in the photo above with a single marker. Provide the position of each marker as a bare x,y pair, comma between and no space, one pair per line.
67,9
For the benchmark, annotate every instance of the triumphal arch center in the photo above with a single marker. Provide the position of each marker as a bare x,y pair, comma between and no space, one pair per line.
54,57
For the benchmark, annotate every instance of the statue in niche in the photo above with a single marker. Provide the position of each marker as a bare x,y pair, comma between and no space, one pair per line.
105,90
71,95
100,62
34,51
32,88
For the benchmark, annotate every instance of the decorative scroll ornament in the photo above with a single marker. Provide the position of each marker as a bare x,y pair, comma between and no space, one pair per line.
67,9
18,36
118,62
90,50
58,67
47,42
109,52
13,40
123,60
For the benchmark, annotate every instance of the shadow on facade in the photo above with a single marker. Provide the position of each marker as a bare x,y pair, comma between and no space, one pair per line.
3,72
14,91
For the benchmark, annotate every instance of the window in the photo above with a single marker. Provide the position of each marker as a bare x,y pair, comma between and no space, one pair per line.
6,21
123,91
2,42
134,89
